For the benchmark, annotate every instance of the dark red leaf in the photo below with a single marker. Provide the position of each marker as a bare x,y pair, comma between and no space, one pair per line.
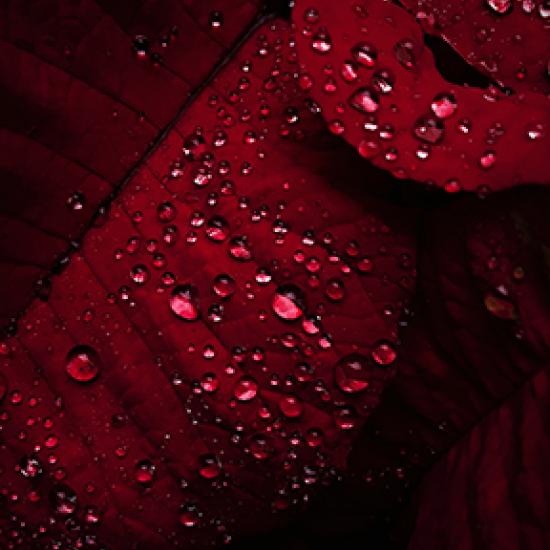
378,87
502,38
472,391
214,346
80,107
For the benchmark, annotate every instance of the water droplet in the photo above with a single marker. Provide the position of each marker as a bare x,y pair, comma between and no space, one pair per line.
260,447
321,43
210,466
500,307
500,7
444,105
335,290
487,160
384,354
429,129
351,373
184,302
145,472
224,285
365,54
215,19
245,389
288,303
189,515
383,81
140,274
141,46
63,500
291,406
30,467
166,212
365,100
239,249
76,201
82,364
218,229
404,52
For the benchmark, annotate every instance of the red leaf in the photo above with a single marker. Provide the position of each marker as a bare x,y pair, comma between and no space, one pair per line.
471,397
504,39
80,109
180,399
379,88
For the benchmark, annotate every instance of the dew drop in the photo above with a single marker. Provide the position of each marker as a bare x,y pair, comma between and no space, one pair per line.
217,229
365,54
63,500
145,472
245,389
288,303
215,19
82,364
210,467
321,43
239,249
351,373
429,130
291,406
404,52
444,105
500,7
384,354
184,302
365,100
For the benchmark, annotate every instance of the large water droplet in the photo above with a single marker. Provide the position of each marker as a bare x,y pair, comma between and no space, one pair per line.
82,364
351,373
245,389
288,303
184,302
365,100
